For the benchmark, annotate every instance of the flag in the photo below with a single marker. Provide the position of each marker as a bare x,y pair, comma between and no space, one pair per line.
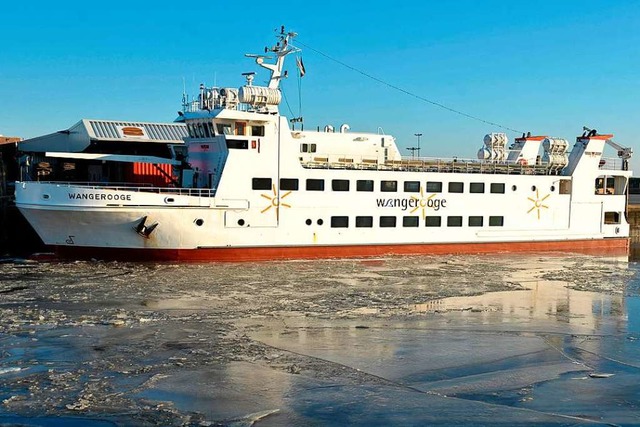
300,65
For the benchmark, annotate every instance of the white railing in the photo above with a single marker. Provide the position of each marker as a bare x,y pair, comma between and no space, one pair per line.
611,163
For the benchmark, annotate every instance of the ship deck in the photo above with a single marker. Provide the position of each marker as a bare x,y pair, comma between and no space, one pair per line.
442,166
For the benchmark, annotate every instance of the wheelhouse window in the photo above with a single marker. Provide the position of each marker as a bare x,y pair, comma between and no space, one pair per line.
339,221
261,183
456,187
476,187
496,221
364,221
611,185
388,186
257,130
454,221
315,184
224,129
434,187
289,184
412,186
207,130
497,187
340,185
387,221
241,128
364,185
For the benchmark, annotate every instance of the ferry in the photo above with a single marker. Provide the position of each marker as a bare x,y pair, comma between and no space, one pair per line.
250,187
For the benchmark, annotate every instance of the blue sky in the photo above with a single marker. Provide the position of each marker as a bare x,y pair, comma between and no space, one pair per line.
548,67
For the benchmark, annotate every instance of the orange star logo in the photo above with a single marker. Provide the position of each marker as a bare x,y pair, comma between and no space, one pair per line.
422,203
537,203
275,201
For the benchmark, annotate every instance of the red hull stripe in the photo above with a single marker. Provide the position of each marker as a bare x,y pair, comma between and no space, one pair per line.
613,247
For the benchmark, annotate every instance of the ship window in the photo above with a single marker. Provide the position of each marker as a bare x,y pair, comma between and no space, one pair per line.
612,217
565,186
388,186
212,130
240,128
339,221
237,144
433,221
315,184
289,184
364,185
261,183
387,221
456,187
364,221
476,187
454,221
207,133
496,221
475,221
340,185
308,148
434,187
412,186
497,187
224,129
410,221
257,130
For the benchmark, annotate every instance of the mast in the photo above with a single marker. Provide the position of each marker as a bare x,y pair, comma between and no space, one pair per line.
281,49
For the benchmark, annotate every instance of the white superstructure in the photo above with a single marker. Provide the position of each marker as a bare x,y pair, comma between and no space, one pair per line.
252,188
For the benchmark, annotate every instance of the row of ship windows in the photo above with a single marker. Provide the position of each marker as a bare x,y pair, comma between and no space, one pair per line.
413,221
385,186
207,130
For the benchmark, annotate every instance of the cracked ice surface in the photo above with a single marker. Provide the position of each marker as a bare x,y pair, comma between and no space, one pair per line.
405,340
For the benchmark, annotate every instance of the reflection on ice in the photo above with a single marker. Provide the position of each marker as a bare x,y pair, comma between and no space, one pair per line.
411,341
541,300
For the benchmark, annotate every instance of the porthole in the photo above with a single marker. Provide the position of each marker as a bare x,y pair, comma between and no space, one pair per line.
241,222
199,222
320,221
533,188
45,196
169,200
308,222
514,188
553,188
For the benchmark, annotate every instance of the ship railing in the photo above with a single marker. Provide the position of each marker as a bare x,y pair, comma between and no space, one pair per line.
610,163
136,187
427,164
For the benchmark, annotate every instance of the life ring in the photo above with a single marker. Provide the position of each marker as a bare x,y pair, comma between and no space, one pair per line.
523,162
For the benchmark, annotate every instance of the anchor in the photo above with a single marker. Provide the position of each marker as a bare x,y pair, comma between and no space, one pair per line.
144,230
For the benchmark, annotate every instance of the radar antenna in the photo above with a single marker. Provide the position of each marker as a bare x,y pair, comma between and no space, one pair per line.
281,49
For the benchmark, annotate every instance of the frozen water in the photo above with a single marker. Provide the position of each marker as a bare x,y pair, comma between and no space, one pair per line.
410,340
